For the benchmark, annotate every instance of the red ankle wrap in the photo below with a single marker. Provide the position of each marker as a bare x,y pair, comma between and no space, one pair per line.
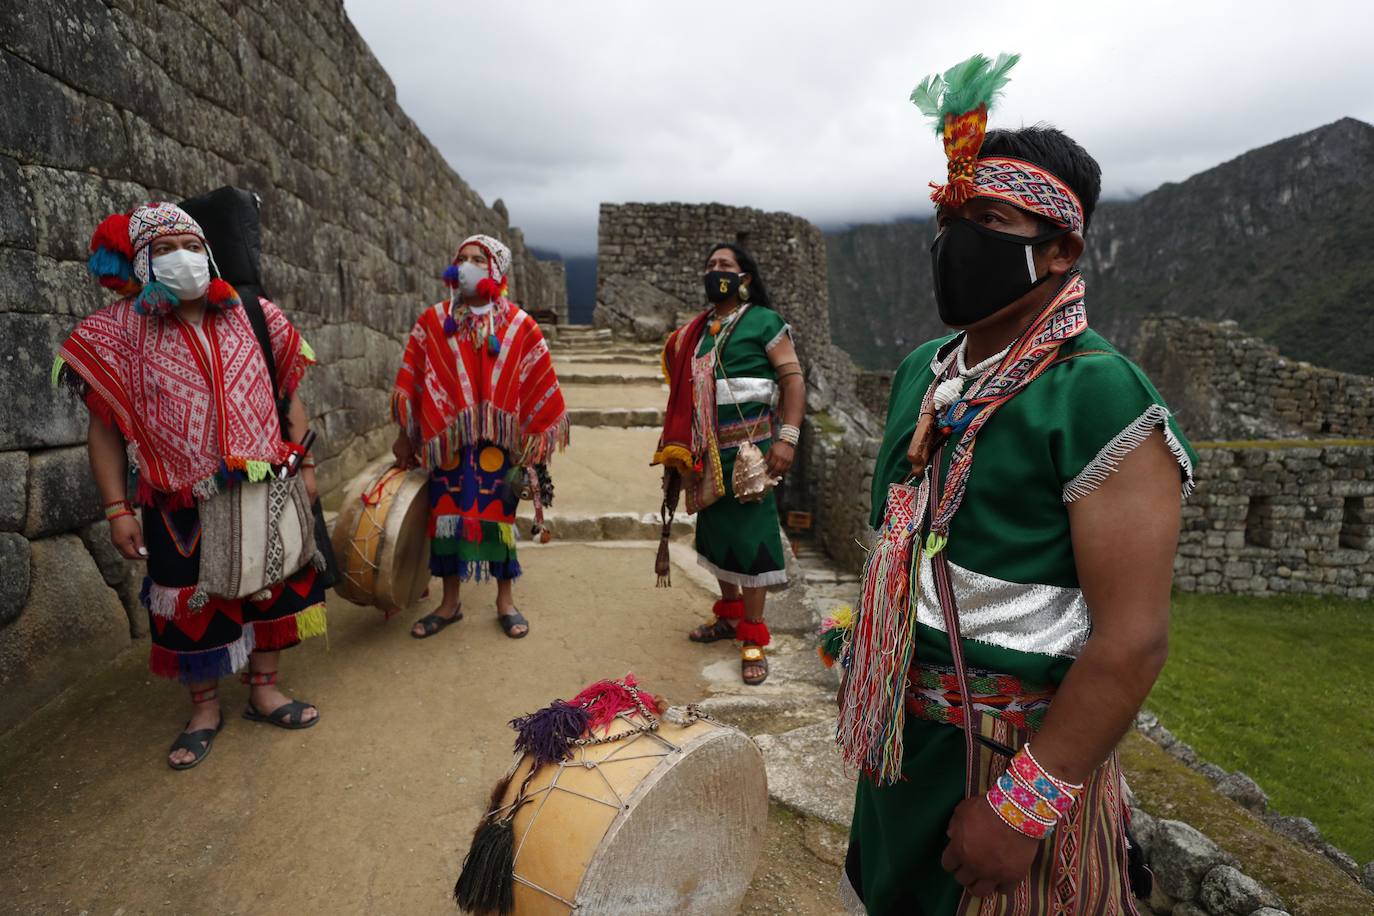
753,631
258,678
729,609
204,696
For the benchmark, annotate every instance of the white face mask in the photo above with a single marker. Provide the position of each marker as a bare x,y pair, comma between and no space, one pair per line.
186,273
469,275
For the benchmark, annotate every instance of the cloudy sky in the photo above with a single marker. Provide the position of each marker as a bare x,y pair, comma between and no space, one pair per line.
801,106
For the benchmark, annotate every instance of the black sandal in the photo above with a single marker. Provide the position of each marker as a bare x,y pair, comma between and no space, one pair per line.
433,623
289,715
714,631
511,621
199,741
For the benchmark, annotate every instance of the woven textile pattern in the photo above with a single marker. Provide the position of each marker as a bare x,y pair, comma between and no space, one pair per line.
1029,187
183,407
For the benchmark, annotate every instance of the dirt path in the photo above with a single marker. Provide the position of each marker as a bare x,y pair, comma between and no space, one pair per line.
371,811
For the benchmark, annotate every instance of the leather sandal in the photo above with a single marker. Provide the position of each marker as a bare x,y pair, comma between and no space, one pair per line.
289,715
751,656
714,631
433,623
511,621
199,741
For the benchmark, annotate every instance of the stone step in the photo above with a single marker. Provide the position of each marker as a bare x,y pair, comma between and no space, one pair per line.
602,345
575,377
606,526
564,332
628,359
619,417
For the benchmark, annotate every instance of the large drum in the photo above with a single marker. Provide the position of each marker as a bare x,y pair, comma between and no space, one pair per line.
381,537
671,820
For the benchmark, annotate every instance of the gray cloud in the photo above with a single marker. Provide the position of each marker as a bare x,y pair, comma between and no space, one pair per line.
555,107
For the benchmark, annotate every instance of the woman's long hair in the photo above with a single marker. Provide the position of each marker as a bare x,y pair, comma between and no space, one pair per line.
758,293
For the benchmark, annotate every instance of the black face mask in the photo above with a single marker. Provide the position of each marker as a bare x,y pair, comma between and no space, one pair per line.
720,285
979,271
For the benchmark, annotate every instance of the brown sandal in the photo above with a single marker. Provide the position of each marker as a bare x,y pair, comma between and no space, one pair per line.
714,631
751,656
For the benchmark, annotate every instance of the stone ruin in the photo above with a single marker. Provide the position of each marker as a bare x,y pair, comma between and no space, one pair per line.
1285,495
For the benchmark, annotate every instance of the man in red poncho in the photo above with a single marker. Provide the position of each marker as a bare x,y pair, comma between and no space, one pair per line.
479,407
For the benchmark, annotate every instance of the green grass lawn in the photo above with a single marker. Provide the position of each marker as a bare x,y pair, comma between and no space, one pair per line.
1279,688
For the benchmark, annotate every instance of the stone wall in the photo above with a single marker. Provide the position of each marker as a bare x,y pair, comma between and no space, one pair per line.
1225,385
111,103
1269,519
665,247
649,264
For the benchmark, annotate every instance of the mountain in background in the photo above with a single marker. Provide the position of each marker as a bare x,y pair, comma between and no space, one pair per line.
1279,239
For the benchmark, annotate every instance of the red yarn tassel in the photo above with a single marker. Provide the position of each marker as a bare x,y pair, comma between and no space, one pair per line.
221,295
113,233
472,531
753,631
605,700
489,289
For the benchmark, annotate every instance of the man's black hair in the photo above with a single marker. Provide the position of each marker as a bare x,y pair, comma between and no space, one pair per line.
1051,148
758,293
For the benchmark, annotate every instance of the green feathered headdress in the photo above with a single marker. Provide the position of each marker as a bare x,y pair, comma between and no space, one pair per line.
958,102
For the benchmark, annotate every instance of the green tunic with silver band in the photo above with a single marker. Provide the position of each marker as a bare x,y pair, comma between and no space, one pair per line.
736,542
1012,568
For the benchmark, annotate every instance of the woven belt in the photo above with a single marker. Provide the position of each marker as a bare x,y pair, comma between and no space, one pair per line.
735,433
932,693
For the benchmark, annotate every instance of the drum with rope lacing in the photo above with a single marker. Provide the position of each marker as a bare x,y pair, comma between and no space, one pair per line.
381,537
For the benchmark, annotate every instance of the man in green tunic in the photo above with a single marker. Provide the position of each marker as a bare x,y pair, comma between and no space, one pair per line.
1019,590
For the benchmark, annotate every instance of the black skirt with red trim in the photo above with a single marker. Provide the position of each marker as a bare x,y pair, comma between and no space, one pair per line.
215,640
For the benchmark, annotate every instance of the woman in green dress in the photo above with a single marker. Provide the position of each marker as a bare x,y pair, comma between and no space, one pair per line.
736,364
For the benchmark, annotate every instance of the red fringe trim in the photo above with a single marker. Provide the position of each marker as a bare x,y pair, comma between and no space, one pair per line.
275,634
753,631
163,663
729,609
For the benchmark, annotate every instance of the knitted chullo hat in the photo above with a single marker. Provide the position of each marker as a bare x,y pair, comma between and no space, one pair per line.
122,257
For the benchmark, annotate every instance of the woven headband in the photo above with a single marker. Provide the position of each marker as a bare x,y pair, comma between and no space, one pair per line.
1027,186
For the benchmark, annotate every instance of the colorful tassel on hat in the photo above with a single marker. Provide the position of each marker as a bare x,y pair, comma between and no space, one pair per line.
221,295
489,289
156,298
451,276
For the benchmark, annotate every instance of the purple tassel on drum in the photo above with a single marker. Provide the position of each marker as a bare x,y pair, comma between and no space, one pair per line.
547,735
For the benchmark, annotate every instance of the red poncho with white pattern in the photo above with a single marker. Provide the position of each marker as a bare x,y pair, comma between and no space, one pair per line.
190,404
453,391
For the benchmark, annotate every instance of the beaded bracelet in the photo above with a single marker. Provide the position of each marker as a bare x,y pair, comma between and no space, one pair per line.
1028,798
118,509
1013,815
789,434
